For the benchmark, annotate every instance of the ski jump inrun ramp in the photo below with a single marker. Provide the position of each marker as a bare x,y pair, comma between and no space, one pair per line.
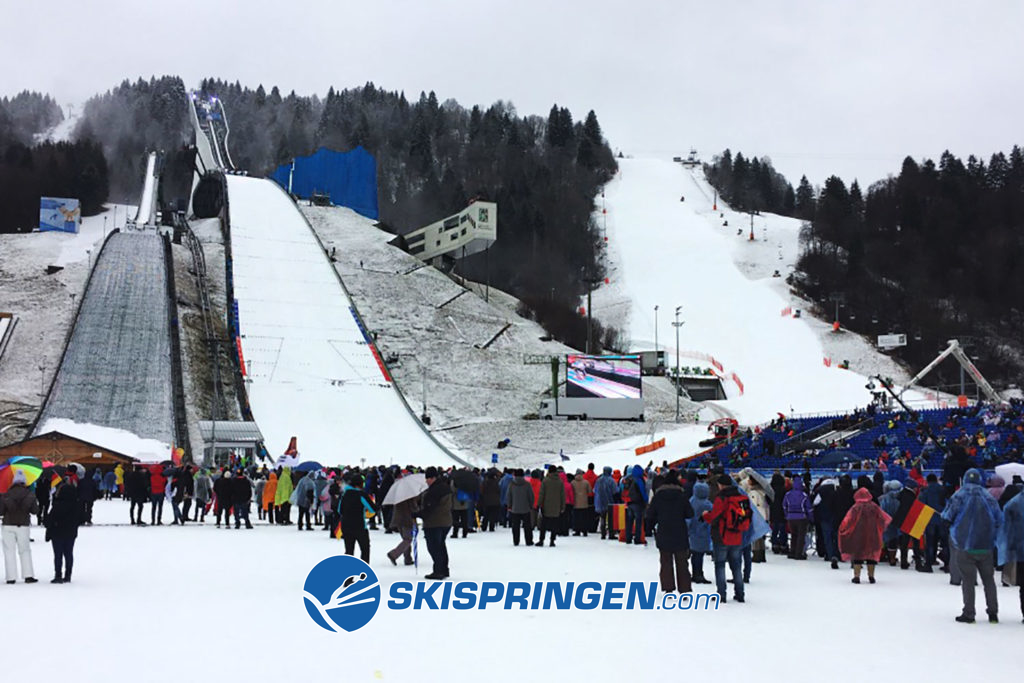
311,371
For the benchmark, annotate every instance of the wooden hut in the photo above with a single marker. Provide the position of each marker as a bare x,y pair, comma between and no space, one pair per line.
61,449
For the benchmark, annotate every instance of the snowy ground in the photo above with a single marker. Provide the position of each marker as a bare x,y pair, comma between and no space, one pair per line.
476,396
141,590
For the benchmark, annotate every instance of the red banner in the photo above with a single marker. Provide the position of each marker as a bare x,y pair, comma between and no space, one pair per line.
241,359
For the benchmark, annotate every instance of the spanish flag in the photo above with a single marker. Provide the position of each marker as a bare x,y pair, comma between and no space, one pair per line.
917,519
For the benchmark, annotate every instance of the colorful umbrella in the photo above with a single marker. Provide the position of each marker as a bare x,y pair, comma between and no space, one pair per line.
30,466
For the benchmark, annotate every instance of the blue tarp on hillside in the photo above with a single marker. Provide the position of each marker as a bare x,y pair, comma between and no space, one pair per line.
350,178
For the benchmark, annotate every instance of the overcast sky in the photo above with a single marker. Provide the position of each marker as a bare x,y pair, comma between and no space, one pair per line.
820,86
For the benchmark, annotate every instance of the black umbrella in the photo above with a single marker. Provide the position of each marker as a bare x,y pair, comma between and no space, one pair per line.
48,472
837,458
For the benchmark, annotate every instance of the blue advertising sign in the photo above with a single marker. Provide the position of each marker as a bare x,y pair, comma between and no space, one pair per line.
59,214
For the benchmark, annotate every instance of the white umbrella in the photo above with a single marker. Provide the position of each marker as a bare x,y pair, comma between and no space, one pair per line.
1007,470
409,486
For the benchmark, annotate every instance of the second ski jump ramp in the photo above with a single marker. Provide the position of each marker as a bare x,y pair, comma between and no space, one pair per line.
116,371
310,371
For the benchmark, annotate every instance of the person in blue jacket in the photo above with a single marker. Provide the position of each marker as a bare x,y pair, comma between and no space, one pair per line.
605,489
109,484
1010,541
975,518
699,531
759,528
503,485
889,501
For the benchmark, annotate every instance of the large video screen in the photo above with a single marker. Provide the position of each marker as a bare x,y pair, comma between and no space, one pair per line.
602,376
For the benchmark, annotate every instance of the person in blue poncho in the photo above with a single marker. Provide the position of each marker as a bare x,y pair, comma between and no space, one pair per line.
605,492
975,518
1010,541
699,531
758,529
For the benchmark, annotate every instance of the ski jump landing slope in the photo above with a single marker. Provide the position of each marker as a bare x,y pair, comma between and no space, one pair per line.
116,371
669,253
311,372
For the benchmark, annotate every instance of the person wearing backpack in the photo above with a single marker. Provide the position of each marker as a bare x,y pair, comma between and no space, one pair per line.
797,508
729,518
634,488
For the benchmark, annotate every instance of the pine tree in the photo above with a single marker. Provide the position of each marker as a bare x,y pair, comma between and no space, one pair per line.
805,203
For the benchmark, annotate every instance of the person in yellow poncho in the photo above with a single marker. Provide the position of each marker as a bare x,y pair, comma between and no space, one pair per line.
119,473
283,495
269,493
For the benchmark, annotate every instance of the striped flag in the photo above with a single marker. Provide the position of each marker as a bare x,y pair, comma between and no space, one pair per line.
917,519
337,530
416,547
618,517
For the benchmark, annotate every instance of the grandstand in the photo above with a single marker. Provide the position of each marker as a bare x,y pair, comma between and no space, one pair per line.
990,434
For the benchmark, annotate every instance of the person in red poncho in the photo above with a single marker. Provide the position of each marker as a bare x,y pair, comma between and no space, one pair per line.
860,534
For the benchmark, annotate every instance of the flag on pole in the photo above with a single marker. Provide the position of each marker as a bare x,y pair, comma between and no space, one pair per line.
416,547
337,530
917,519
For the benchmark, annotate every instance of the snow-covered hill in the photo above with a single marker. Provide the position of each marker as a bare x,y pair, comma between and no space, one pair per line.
463,356
668,246
44,303
63,130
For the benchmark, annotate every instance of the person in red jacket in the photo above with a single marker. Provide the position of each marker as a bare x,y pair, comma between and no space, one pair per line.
535,481
591,476
157,486
729,517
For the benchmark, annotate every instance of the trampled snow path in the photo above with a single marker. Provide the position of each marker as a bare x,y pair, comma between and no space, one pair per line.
149,593
311,372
